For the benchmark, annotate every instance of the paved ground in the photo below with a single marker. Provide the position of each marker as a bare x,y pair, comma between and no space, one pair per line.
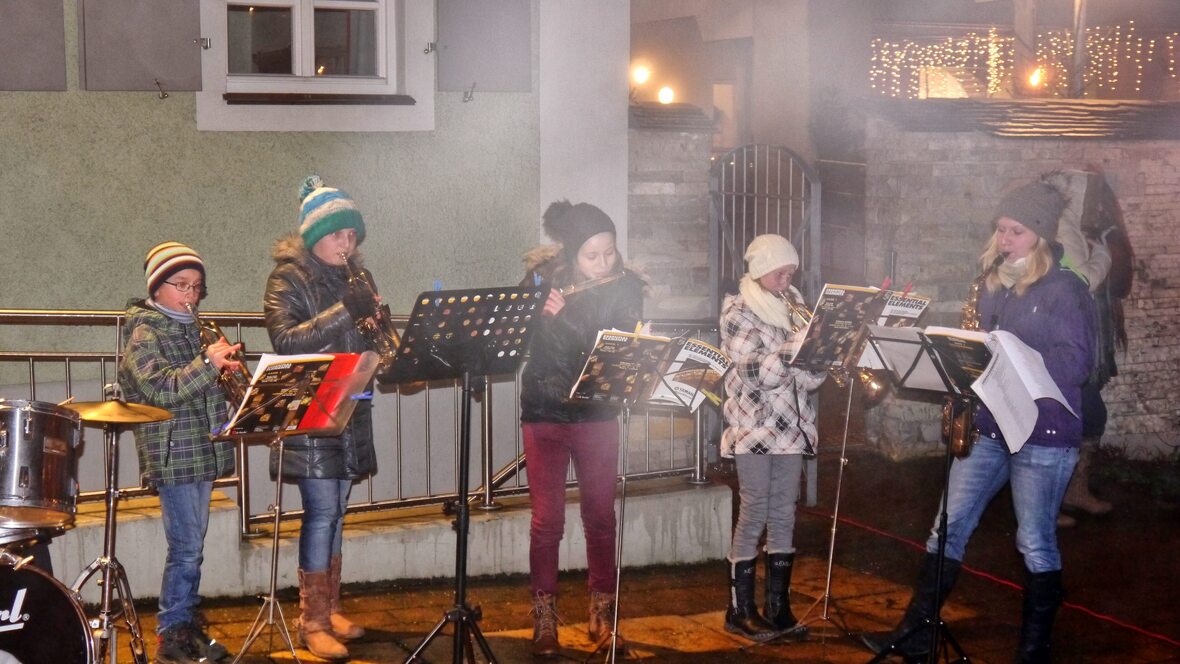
1120,571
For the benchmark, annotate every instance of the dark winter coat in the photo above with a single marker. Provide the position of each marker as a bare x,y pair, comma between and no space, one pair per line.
1055,317
304,314
560,345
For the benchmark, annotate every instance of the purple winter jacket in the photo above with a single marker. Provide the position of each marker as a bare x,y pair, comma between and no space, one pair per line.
1055,317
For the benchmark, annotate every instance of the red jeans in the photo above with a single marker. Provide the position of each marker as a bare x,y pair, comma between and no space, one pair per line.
594,448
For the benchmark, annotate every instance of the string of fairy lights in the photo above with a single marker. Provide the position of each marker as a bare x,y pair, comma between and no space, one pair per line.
978,64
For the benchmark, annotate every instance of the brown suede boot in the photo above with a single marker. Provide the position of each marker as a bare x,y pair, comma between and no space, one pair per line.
314,626
602,616
544,612
1078,495
342,628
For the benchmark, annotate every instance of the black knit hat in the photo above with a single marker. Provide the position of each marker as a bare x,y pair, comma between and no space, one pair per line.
572,225
1038,205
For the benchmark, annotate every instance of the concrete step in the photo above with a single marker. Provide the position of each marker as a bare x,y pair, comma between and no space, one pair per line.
665,521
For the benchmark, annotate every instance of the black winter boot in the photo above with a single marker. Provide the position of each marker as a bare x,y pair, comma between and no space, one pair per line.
742,615
923,605
778,596
1042,595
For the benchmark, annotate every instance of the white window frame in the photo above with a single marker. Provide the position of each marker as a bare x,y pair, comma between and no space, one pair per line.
405,28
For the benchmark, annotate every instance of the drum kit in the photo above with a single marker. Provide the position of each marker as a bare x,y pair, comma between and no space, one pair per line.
41,620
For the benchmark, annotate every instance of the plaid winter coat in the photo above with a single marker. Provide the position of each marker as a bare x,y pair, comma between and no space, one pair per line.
768,408
162,366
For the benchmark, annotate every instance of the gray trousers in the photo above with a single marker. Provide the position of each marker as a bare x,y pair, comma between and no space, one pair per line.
768,487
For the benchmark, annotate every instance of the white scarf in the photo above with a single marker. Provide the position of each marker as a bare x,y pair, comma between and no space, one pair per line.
768,307
1010,273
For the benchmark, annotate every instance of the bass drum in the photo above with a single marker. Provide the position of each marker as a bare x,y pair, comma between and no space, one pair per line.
40,621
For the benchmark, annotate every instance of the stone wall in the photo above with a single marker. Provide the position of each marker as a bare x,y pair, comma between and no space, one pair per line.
929,197
668,212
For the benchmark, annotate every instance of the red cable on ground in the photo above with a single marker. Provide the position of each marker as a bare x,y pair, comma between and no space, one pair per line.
995,579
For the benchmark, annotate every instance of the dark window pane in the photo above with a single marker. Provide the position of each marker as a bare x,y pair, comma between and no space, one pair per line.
345,42
259,40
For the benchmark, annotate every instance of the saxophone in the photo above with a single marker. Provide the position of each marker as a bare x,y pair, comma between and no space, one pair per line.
233,383
377,330
958,412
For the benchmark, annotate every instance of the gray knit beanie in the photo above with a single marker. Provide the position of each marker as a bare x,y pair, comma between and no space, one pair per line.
1037,205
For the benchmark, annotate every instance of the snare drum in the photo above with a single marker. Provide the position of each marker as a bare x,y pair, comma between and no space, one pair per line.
40,620
38,466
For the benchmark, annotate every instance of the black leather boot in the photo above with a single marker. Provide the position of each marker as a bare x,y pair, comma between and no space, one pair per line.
778,596
923,605
742,615
1042,595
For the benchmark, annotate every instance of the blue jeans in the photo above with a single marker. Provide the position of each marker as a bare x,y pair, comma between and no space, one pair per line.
321,535
1039,476
185,509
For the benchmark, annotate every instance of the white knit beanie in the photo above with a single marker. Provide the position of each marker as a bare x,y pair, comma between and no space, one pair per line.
768,253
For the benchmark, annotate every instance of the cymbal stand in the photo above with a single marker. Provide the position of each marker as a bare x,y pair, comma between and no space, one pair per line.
270,604
826,599
113,577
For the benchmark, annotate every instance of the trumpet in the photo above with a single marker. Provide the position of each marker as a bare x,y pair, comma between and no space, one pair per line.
798,311
378,330
874,387
233,382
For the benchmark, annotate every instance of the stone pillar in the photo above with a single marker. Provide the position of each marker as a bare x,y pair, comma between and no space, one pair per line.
668,207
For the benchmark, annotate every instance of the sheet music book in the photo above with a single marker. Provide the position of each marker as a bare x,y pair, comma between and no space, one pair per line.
837,332
626,367
693,375
299,392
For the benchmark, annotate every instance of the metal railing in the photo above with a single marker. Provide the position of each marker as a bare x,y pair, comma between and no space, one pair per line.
416,429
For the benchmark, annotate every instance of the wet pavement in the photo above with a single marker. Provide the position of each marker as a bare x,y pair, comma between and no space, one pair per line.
1120,573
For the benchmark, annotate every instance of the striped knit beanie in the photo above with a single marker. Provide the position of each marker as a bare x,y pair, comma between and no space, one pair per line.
325,210
168,258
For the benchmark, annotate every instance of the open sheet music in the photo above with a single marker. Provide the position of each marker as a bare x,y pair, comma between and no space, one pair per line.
835,337
1001,370
297,392
1012,383
635,368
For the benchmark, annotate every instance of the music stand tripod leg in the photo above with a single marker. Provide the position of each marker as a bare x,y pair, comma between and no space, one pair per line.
941,639
612,644
463,616
827,599
270,603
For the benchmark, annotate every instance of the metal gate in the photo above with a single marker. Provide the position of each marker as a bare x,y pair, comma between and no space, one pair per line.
759,189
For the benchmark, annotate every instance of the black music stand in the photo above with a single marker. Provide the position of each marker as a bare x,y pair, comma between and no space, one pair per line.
637,368
246,427
844,360
468,334
895,351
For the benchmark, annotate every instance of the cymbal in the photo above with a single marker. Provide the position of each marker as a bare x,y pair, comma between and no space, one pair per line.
118,412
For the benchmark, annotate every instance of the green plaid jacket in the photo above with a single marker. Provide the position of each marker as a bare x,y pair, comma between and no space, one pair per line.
162,366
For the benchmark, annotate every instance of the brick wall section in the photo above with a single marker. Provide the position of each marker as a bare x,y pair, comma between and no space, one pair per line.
668,217
929,196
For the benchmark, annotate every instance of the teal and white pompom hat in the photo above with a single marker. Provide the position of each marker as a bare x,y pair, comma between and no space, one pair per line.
325,210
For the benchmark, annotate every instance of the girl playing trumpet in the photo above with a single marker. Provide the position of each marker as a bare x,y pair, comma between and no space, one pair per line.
770,425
